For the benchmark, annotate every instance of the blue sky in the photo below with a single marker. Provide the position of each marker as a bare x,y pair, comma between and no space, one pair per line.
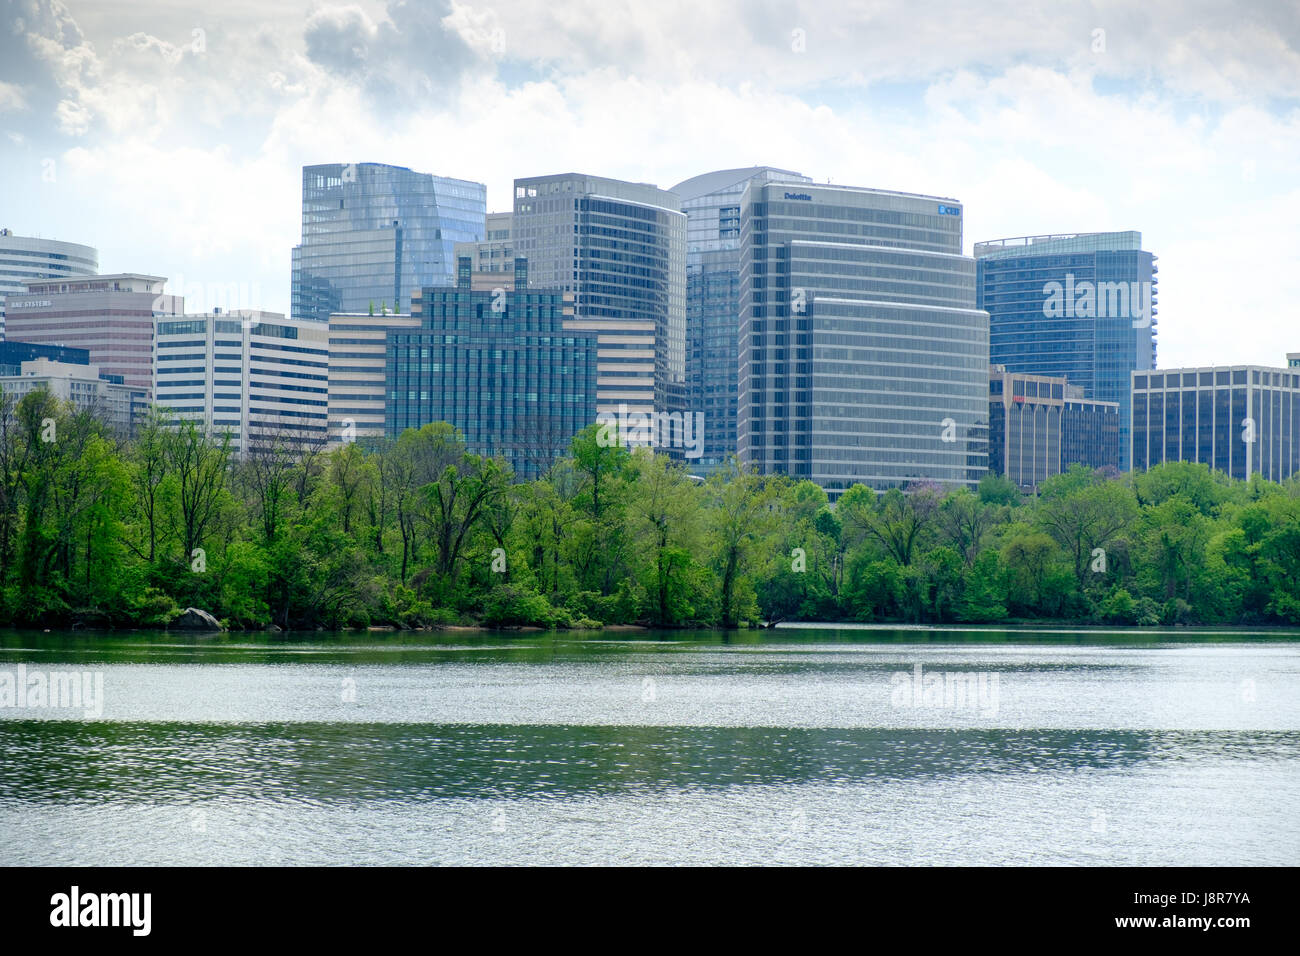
171,135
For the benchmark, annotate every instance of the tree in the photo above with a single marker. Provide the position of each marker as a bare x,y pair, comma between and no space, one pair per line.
665,516
740,519
150,463
899,520
1082,512
964,521
198,466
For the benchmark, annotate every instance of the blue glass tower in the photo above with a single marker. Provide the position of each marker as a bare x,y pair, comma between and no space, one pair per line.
711,202
1079,306
503,366
372,235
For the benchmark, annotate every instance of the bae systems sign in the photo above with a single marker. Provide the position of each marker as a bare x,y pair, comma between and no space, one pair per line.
804,196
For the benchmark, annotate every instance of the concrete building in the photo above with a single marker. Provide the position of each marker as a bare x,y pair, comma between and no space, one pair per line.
1039,425
111,316
712,205
262,377
496,251
862,357
620,249
83,385
358,345
1240,419
25,259
507,369
1081,306
373,235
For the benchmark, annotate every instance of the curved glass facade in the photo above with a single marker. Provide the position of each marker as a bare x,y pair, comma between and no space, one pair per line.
620,248
25,259
862,356
375,234
711,202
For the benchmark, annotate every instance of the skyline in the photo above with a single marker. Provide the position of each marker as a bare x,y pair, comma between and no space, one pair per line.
172,137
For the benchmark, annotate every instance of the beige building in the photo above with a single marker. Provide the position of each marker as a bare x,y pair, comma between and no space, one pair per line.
496,252
358,349
112,316
117,404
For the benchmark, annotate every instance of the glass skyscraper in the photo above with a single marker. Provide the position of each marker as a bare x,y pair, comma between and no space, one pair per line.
620,248
862,356
1080,306
372,235
502,366
712,205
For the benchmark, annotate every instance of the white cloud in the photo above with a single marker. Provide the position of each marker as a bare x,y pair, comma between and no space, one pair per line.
181,161
11,97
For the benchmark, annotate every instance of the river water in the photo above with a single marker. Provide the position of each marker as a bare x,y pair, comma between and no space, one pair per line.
799,745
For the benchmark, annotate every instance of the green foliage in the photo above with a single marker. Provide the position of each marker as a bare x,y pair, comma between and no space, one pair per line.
419,532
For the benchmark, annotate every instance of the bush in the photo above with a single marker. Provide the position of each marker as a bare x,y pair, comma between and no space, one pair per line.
1147,612
1118,608
511,605
1178,611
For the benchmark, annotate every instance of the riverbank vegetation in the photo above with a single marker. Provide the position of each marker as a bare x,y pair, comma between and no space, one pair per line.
417,531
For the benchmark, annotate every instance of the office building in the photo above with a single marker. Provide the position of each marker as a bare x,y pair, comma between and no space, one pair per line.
372,235
620,249
1241,419
259,376
711,203
862,357
1040,425
1081,306
25,259
111,316
358,346
504,368
496,251
117,404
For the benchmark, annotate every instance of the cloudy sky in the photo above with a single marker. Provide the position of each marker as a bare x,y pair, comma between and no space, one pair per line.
171,134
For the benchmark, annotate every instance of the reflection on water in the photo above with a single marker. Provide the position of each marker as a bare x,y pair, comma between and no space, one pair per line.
782,747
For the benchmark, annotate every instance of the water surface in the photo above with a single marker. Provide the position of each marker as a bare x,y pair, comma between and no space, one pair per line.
800,745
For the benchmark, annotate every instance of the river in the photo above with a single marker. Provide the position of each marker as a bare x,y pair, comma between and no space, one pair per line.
798,745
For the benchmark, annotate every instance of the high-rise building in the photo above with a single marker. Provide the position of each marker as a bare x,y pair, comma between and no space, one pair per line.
862,356
1040,425
504,367
357,364
81,384
258,375
496,251
111,316
620,249
712,205
372,235
1080,306
1240,419
25,259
